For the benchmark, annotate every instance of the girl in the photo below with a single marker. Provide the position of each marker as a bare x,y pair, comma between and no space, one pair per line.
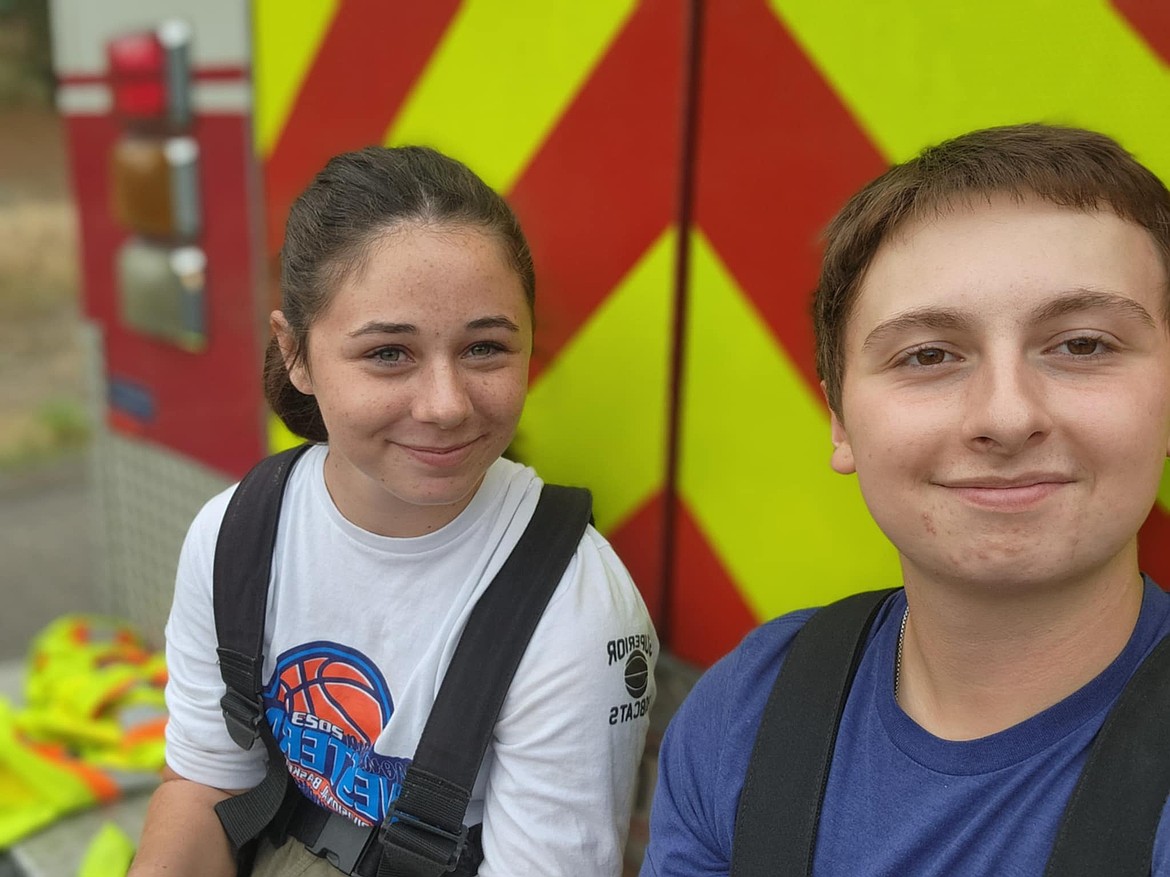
401,350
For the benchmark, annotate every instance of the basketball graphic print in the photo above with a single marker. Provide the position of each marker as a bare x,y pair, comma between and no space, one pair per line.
337,691
631,655
637,673
327,705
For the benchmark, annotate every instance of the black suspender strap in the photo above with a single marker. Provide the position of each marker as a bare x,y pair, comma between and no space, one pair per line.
423,835
780,805
1109,823
243,563
1112,816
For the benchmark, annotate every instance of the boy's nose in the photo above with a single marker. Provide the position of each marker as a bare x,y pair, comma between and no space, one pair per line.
441,397
1004,408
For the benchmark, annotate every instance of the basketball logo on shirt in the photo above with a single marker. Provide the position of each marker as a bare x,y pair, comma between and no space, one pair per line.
632,654
637,674
327,704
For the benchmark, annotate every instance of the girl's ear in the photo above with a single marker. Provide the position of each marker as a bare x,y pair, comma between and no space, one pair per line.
298,372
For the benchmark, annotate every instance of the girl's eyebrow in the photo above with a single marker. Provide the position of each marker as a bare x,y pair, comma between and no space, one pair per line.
496,322
377,328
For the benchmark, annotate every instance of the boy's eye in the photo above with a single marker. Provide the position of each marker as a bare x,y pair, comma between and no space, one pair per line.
483,348
1083,346
929,356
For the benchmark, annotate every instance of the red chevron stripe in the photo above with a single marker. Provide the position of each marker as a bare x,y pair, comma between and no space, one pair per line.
602,187
366,66
638,542
707,614
761,200
1154,546
1152,22
766,189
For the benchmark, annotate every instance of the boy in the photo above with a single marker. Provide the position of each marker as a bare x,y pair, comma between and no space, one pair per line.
993,338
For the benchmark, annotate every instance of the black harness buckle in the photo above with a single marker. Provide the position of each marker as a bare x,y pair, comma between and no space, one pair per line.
242,716
406,824
342,841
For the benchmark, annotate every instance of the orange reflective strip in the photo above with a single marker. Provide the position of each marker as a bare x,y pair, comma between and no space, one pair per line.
103,787
147,732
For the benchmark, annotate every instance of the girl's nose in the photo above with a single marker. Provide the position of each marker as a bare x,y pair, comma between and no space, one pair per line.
441,397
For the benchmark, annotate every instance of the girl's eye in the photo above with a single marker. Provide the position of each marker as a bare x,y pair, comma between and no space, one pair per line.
483,348
388,354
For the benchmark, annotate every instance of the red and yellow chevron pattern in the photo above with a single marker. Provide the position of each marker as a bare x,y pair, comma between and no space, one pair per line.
673,163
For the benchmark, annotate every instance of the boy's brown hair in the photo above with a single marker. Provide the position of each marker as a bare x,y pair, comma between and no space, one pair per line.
1070,167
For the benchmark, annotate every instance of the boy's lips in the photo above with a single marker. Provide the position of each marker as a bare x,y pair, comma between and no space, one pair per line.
1000,493
1001,482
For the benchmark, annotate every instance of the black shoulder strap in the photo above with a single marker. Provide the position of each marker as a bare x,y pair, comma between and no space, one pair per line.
243,563
424,832
1108,826
1113,814
423,835
780,806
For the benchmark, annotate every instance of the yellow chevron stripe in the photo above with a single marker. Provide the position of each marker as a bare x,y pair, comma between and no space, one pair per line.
287,36
597,417
913,72
755,460
1164,489
279,438
501,78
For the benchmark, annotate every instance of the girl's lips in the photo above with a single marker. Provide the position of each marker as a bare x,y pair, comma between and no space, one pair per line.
440,457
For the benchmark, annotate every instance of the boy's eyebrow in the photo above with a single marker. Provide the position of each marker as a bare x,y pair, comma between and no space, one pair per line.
1093,299
1070,303
918,318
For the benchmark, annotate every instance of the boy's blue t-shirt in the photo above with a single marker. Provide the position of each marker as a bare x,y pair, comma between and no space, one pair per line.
900,801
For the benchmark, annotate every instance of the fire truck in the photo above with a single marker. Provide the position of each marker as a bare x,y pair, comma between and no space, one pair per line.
673,163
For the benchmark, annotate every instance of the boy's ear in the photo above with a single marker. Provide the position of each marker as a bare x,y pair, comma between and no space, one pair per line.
842,458
298,374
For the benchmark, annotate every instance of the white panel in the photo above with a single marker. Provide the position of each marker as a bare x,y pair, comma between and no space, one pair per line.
84,100
81,29
95,99
222,97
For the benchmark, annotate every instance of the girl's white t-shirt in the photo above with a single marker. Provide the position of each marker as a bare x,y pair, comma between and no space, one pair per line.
360,629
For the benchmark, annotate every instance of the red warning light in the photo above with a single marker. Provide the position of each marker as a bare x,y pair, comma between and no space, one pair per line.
150,74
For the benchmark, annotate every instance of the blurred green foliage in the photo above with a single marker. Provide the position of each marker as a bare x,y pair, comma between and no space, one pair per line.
26,57
59,426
